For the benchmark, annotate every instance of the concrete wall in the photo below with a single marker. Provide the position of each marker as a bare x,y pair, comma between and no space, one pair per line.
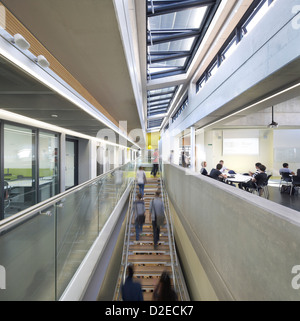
247,245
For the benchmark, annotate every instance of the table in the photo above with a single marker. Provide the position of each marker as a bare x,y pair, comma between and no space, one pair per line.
238,178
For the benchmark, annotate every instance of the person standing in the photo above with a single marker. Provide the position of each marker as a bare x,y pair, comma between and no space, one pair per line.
155,162
183,160
157,216
171,158
141,180
131,291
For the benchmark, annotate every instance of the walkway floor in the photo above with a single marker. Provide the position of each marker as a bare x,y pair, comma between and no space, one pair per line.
285,199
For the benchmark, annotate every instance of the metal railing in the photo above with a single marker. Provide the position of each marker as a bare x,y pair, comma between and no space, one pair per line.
178,278
42,247
125,253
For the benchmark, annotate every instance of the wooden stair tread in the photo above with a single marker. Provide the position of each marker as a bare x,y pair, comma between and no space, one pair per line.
149,282
147,228
149,258
151,269
147,296
149,238
147,247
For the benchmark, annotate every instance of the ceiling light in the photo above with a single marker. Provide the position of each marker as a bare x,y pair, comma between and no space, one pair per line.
54,115
273,123
42,61
21,42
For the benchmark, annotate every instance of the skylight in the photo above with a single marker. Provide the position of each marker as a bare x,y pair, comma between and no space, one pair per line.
174,32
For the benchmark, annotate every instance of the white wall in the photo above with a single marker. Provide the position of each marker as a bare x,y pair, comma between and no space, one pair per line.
286,145
210,146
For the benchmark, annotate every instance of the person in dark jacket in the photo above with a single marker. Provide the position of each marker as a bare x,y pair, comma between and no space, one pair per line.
139,215
164,290
131,291
156,209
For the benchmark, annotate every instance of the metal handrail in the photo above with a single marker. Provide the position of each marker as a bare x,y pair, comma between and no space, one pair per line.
171,239
179,283
124,262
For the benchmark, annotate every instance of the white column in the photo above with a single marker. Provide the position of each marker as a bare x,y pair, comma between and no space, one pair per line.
193,146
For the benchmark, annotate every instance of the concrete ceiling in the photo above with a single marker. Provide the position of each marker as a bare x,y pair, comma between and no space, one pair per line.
84,37
261,97
21,94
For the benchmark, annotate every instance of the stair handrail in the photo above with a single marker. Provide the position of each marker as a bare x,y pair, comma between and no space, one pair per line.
124,262
179,276
170,235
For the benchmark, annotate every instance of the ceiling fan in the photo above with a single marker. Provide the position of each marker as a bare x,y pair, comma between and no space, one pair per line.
273,124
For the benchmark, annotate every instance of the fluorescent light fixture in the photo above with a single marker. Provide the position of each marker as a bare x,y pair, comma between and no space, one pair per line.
57,86
250,106
21,42
42,61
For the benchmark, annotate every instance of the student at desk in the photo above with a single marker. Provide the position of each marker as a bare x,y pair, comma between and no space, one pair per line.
257,180
285,169
257,170
216,173
223,168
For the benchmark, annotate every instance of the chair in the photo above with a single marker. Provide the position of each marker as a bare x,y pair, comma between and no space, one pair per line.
286,178
295,184
265,188
262,189
6,195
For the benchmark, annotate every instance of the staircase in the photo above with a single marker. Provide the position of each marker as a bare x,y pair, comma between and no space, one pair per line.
149,263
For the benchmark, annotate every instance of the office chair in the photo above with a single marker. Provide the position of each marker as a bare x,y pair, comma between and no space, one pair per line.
262,187
6,195
286,178
295,184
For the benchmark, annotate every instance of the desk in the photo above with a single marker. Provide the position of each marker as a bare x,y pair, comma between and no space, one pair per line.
24,189
238,178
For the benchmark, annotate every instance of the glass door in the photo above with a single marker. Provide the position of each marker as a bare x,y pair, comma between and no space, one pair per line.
19,169
48,165
71,173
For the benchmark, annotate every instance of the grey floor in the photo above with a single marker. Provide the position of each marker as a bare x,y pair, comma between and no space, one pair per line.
285,199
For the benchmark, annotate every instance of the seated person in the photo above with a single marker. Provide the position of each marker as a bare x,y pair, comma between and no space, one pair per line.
285,169
203,170
257,170
298,172
223,168
258,180
216,173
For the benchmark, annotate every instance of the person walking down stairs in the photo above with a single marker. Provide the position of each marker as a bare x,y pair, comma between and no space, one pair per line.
157,216
139,215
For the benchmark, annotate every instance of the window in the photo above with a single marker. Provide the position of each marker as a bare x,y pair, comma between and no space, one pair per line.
251,18
19,168
30,167
174,32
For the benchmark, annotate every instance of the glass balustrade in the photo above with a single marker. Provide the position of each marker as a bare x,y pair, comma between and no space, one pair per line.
41,249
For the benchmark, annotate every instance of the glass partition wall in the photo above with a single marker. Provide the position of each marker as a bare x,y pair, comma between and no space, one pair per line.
30,167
